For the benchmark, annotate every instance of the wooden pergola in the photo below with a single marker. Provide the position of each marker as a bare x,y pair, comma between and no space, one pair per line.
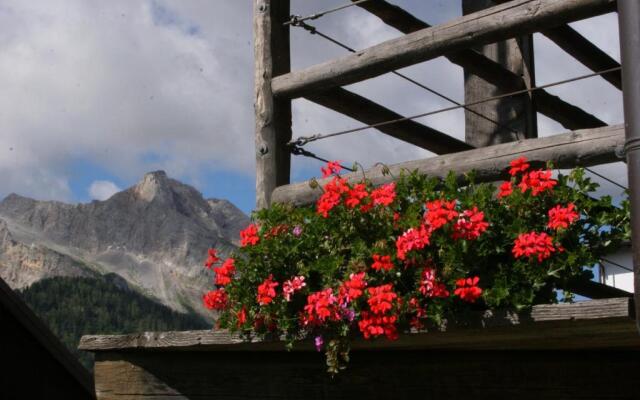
583,350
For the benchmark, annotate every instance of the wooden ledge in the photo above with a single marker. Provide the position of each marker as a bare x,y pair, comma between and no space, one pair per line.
606,323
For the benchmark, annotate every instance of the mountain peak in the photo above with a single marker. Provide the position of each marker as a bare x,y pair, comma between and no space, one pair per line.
153,184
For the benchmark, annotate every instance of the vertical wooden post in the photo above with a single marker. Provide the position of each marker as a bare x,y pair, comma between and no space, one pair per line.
629,21
516,115
273,116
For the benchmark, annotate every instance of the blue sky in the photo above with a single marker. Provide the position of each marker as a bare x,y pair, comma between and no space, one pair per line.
95,94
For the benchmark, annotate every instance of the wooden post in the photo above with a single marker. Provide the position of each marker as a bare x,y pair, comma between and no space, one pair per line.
516,115
273,116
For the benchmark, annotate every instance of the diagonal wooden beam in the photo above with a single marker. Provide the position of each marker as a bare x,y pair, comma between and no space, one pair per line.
518,17
571,117
580,48
585,147
369,112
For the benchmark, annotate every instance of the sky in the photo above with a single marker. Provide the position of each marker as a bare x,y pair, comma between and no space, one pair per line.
97,93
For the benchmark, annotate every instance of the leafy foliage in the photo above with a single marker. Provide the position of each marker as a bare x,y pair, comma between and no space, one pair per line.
405,256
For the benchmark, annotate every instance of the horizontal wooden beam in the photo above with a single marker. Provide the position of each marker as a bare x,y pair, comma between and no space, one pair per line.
596,290
368,112
569,116
580,48
536,328
584,147
515,18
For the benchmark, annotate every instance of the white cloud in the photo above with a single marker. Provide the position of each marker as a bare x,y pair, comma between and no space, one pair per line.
102,190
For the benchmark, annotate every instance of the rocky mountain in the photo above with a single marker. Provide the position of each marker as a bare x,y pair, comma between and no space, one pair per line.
154,235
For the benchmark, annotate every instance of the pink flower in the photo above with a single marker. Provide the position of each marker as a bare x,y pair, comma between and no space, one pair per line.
292,285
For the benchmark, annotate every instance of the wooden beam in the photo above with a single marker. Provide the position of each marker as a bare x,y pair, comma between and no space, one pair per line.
596,290
580,48
569,116
586,147
368,112
516,115
463,333
516,18
273,116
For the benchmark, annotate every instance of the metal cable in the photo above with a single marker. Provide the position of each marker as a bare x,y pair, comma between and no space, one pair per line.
299,151
607,179
301,141
298,18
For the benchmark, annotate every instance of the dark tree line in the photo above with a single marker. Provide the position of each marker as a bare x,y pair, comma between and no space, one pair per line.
73,307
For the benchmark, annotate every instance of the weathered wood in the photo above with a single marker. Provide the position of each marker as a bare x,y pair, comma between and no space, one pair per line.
374,375
569,116
470,331
519,17
516,115
273,116
596,290
584,147
580,48
368,112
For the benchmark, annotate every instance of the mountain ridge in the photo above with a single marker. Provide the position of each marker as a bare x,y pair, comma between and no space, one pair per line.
154,234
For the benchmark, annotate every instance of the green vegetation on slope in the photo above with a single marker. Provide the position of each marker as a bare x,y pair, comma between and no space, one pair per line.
73,307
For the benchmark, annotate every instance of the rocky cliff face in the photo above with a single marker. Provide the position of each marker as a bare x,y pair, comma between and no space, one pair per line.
154,234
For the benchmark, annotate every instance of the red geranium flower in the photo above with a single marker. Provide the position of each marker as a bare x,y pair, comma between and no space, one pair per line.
333,167
384,195
241,316
353,287
212,258
470,225
249,236
381,298
439,212
215,299
518,165
375,325
224,273
412,239
505,189
533,244
468,290
356,195
562,217
267,291
332,195
321,306
538,181
382,262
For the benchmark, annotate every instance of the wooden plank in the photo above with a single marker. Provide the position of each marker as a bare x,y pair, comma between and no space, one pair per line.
515,116
580,48
569,116
586,147
375,375
519,17
368,112
272,116
594,314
